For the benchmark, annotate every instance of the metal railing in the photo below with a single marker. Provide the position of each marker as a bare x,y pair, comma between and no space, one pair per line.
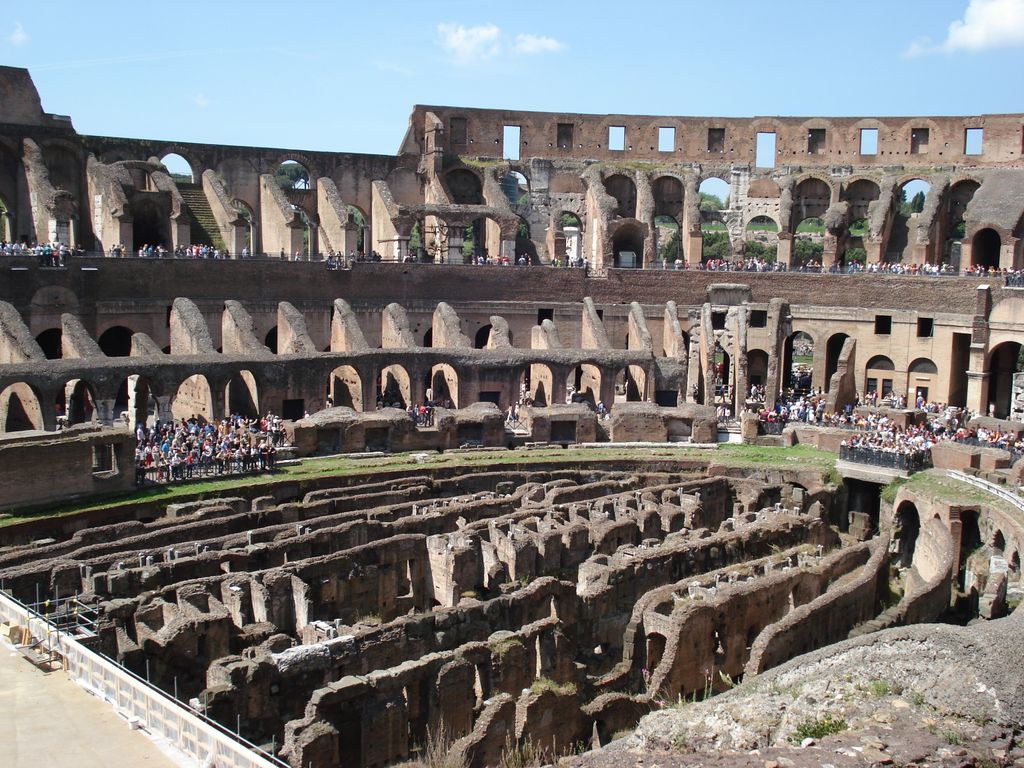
183,473
985,485
914,461
1015,455
190,731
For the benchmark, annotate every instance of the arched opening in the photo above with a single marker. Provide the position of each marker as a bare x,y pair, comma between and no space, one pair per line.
241,395
116,341
567,246
444,386
516,188
20,409
1003,362
193,398
346,388
623,189
960,196
721,375
879,373
910,200
292,175
922,374
464,187
628,246
906,528
761,239
668,242
6,234
150,223
245,211
985,248
970,542
668,197
539,382
860,194
714,200
757,367
270,340
998,543
179,169
78,402
833,349
51,342
428,338
358,220
811,199
525,247
798,362
393,388
482,337
585,384
630,384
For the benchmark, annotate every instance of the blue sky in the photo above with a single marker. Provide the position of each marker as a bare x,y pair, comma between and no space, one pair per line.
344,75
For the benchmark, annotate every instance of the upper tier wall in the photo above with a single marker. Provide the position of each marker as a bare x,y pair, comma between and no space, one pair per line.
907,141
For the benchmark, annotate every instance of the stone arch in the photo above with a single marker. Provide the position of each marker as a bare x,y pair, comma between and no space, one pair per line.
444,384
585,380
623,189
143,405
860,193
270,340
525,246
241,395
985,247
464,186
116,341
812,197
628,238
970,540
194,397
630,384
668,194
150,222
960,195
180,168
879,375
394,388
77,401
483,335
292,173
566,230
64,165
540,383
516,186
346,388
1001,365
20,408
668,240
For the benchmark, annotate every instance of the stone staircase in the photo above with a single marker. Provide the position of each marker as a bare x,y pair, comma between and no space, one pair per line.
204,229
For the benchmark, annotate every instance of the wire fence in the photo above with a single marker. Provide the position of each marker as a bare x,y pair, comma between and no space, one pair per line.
183,472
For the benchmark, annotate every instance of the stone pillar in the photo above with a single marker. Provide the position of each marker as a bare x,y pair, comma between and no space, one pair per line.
559,374
977,390
784,253
105,411
163,408
507,248
455,239
874,250
694,248
607,393
401,247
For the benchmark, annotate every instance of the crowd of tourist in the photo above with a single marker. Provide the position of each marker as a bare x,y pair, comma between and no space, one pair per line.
194,447
51,254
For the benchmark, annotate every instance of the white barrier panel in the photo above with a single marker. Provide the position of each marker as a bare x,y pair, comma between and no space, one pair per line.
135,700
985,485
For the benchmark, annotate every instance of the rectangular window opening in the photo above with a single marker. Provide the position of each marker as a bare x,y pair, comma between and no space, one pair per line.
816,141
545,314
457,130
510,142
765,155
564,136
716,140
617,138
103,458
973,140
667,139
718,321
869,141
919,141
925,327
883,325
758,318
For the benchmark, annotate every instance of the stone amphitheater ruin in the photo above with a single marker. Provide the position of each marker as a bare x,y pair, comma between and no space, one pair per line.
488,589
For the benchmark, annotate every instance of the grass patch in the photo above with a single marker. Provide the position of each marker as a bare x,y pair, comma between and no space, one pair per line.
820,728
542,684
735,455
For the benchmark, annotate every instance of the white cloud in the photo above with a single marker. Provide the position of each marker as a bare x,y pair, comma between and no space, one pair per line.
468,45
201,101
986,24
530,44
19,36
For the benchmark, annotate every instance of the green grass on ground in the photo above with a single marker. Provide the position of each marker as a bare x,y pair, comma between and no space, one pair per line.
726,454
